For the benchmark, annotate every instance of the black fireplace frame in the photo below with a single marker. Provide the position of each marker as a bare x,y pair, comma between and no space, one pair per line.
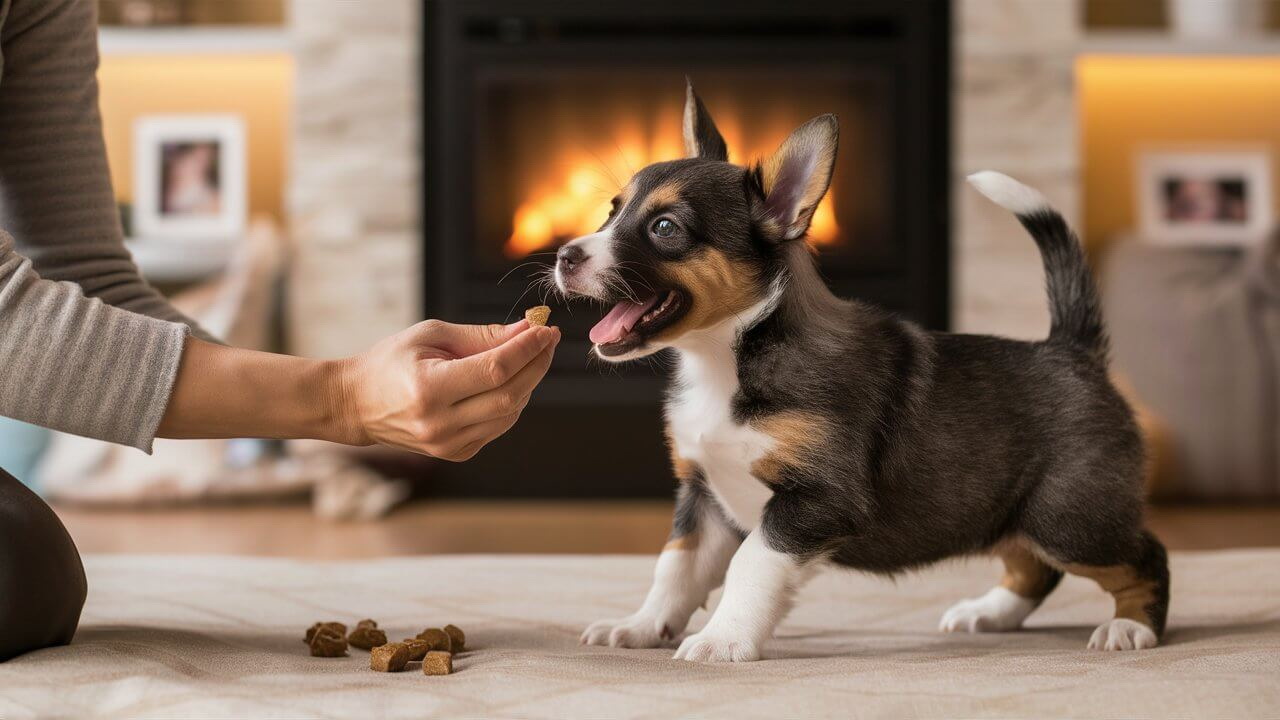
591,433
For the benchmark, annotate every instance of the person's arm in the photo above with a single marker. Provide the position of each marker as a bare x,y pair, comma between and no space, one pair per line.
439,389
55,188
78,365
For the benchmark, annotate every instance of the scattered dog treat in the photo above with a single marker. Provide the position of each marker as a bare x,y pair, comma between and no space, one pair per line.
436,639
417,648
334,626
457,638
391,657
326,642
367,637
434,646
538,315
437,663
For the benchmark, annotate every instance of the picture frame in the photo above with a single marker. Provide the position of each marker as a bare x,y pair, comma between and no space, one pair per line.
189,177
1205,196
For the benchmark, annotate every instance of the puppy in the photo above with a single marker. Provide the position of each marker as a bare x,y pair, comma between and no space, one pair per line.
809,431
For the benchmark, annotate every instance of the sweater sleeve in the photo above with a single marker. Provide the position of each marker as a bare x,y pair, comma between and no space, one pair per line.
55,188
75,364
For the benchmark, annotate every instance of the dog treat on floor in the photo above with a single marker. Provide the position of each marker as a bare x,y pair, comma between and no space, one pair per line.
367,623
538,315
326,642
336,627
366,637
417,648
457,638
437,663
391,657
436,639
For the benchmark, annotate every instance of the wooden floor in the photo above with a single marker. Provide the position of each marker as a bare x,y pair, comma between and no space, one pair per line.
506,527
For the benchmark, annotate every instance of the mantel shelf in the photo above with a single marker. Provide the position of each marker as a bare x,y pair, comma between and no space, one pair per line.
1157,43
212,40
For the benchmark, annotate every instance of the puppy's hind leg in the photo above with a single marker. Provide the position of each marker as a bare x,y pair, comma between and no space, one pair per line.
692,564
1027,581
1140,588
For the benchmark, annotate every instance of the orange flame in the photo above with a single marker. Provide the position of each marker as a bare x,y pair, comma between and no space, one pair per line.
572,197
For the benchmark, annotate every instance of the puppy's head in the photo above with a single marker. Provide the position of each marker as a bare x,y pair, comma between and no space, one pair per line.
691,243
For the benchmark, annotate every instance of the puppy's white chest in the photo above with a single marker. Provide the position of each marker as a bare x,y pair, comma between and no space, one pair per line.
704,433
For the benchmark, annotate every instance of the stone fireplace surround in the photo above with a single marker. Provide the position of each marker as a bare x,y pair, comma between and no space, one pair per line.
353,197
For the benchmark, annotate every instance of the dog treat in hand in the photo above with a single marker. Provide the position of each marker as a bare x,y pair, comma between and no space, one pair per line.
417,648
436,639
437,663
367,637
457,638
391,657
538,315
326,642
336,627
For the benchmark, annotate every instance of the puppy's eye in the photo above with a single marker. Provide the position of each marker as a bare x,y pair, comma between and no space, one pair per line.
664,228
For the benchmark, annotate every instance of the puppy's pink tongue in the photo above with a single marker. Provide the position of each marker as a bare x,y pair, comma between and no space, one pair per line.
618,322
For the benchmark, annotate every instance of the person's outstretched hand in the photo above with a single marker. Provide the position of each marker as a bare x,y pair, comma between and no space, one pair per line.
445,390
439,389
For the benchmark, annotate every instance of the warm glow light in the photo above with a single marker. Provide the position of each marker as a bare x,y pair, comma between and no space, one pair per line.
1131,103
571,196
257,87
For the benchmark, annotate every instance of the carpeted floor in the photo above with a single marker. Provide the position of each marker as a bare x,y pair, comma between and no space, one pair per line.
181,636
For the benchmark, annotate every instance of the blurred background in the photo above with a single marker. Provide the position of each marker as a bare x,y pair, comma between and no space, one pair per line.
311,175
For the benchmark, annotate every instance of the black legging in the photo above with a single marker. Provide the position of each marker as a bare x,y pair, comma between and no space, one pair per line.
42,585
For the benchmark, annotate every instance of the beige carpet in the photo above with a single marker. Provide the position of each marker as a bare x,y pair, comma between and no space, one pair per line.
221,637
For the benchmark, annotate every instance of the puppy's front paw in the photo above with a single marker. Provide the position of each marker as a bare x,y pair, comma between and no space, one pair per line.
715,647
1000,610
633,631
1122,634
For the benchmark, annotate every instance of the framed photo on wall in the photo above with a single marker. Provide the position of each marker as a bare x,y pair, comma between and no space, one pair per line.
1205,197
189,177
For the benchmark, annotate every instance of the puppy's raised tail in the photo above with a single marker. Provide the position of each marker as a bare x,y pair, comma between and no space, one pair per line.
1074,308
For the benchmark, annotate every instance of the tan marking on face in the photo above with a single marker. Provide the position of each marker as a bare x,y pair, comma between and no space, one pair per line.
684,542
1025,573
798,437
625,195
1133,594
715,287
662,196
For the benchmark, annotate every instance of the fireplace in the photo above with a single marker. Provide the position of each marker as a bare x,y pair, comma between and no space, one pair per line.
536,113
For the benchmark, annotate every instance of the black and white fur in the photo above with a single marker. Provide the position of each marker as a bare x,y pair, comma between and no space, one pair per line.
809,431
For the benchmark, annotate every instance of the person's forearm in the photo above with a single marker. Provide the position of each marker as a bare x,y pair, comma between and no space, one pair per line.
230,392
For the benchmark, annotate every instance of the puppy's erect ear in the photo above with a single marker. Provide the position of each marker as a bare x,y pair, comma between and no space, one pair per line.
795,178
701,138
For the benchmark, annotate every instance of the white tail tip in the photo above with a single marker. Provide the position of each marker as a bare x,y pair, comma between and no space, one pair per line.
1008,193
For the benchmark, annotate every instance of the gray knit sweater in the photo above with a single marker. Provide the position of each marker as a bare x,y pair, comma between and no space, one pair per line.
86,346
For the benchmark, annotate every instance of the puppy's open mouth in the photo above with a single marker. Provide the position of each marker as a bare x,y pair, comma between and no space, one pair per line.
629,324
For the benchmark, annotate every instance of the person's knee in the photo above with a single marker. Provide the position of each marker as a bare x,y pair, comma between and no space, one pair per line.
42,581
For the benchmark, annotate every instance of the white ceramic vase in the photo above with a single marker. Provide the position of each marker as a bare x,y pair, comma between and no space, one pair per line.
1215,18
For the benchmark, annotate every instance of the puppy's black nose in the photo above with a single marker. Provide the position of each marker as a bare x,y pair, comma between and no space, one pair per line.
570,256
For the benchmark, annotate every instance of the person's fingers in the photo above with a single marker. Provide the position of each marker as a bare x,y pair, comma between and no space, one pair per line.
510,397
493,368
471,439
465,340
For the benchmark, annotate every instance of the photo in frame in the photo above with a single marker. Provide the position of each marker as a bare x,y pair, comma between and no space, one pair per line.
1205,197
189,177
